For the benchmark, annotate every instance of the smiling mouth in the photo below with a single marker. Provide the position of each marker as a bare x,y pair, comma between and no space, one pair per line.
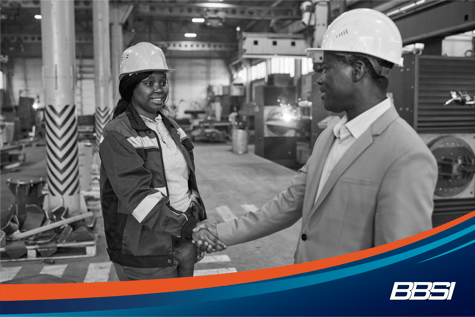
157,100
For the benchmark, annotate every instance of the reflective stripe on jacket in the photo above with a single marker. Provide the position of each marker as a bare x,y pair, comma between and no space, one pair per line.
139,223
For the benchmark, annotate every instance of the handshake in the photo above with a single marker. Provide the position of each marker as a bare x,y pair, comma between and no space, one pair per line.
205,236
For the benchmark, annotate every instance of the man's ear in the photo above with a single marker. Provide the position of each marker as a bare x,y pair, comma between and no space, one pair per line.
359,69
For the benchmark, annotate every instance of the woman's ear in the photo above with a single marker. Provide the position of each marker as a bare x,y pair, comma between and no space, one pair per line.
359,69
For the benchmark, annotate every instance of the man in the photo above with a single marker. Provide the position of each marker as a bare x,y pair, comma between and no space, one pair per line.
370,179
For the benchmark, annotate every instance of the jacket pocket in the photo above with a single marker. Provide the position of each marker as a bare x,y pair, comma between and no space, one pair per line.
353,180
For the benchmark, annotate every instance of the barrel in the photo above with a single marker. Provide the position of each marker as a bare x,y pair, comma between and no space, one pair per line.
239,141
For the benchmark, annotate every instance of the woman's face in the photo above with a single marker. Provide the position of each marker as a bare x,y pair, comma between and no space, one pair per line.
150,95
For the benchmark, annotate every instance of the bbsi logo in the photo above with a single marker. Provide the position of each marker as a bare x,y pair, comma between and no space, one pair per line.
423,291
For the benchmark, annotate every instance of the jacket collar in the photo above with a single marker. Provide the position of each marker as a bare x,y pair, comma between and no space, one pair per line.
384,121
136,121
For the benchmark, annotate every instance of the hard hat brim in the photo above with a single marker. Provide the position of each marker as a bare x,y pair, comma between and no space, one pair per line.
147,70
400,64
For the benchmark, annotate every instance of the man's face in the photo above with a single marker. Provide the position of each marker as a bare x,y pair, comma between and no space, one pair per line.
336,84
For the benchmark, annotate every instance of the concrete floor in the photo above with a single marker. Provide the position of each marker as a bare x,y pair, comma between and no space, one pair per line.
230,184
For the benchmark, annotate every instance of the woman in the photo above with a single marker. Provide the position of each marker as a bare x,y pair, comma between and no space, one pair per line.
149,195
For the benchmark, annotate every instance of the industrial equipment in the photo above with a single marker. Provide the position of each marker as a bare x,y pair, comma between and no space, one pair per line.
206,130
460,98
420,90
268,45
12,157
211,130
275,124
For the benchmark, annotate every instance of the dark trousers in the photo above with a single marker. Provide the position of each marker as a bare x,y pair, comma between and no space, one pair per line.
183,265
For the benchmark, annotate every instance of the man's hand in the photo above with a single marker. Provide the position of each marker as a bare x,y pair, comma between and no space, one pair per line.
205,239
207,242
207,224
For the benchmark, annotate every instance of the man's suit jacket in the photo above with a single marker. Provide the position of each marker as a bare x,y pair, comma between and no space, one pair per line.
380,191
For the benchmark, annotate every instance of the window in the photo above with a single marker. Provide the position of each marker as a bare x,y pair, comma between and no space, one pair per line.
258,71
307,65
283,65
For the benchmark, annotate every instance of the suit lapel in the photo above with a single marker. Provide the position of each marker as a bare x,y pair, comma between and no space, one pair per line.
315,166
360,145
349,157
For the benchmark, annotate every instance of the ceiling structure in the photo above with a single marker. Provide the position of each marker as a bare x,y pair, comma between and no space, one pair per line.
164,22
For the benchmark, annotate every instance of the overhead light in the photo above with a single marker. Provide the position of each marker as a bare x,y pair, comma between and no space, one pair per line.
190,34
238,28
38,16
215,5
198,20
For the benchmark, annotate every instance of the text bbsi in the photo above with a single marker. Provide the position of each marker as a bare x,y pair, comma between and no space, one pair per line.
423,291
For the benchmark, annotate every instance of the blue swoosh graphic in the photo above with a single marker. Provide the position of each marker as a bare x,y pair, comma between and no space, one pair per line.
450,251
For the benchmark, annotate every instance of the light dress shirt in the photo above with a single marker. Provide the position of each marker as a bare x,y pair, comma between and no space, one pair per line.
176,168
346,133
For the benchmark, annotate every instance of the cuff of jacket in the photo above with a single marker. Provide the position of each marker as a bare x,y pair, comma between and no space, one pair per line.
187,229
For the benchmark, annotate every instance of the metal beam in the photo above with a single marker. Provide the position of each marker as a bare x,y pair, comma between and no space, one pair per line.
292,28
31,4
386,6
178,10
238,12
335,5
196,46
37,38
250,24
446,19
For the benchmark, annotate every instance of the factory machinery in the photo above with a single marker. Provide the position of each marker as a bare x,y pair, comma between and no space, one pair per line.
434,94
275,125
430,93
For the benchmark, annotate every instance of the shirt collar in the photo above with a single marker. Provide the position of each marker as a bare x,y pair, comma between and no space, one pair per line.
157,119
361,123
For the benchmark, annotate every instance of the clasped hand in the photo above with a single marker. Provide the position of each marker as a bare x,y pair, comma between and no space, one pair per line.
205,236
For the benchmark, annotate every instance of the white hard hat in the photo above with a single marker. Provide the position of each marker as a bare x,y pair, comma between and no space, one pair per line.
142,57
364,31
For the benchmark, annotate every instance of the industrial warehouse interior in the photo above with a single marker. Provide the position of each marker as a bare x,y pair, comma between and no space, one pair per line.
245,90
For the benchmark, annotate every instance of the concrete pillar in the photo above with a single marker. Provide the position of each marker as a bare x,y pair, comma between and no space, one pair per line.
59,64
102,65
118,15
